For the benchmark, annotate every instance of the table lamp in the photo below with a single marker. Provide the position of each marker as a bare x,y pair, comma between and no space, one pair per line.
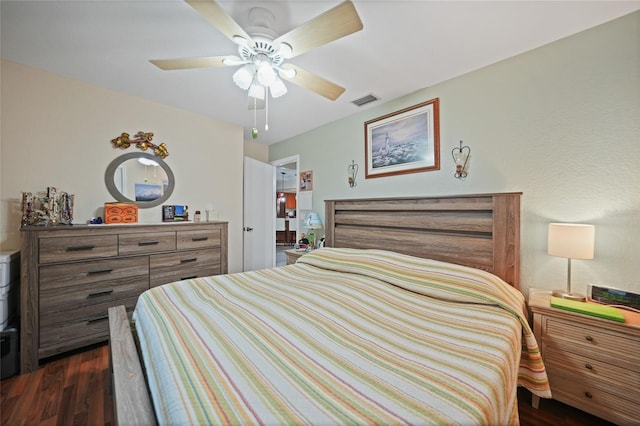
312,222
573,241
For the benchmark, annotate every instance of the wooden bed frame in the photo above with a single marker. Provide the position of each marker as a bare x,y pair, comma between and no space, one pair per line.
482,231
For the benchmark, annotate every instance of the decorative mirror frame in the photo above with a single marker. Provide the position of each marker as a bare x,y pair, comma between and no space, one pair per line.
111,186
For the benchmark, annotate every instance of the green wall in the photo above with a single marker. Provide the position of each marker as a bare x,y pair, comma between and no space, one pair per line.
560,123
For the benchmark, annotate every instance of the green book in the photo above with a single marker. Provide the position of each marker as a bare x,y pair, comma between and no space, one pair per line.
593,309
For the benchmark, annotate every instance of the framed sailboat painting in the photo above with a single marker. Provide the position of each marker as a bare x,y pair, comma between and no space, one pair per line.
405,141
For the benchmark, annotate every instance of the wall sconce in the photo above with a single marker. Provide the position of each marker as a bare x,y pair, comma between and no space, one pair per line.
461,158
352,172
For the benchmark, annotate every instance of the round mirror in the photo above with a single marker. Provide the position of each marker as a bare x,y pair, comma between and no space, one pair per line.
141,178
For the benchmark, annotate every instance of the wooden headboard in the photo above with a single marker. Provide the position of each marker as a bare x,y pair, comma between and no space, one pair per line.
481,231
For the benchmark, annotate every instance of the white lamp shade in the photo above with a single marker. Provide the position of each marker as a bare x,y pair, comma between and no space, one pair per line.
266,74
244,76
256,91
571,240
278,88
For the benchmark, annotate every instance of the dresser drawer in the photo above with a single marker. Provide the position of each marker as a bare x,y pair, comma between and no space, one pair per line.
63,249
148,242
65,331
605,345
67,288
591,373
582,395
166,268
197,239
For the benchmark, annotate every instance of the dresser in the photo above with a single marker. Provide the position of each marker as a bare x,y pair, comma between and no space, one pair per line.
593,364
71,275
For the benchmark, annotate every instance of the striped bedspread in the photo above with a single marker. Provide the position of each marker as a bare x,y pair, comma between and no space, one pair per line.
342,337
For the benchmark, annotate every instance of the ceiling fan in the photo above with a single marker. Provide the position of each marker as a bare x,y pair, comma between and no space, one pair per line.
262,55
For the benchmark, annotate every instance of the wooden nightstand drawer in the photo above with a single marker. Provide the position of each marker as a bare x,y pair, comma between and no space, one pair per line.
591,373
595,401
596,343
64,249
198,239
166,268
148,242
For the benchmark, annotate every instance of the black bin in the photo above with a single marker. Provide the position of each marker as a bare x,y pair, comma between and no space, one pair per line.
9,348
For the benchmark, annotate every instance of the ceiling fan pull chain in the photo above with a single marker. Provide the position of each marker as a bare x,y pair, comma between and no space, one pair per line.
254,131
266,109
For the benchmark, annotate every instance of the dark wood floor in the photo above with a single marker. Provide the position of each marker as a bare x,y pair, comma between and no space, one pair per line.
75,390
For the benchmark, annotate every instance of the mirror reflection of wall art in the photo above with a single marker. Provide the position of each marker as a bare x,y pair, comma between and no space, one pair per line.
306,180
148,192
405,141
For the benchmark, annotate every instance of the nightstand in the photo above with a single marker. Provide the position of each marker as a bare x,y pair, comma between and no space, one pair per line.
293,255
593,364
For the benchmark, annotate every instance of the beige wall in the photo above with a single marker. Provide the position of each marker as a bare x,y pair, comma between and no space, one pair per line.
57,132
256,151
560,123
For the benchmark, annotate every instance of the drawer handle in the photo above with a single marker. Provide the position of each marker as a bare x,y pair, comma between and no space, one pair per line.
189,277
588,395
100,293
588,366
589,338
81,248
199,238
148,243
191,259
100,271
97,318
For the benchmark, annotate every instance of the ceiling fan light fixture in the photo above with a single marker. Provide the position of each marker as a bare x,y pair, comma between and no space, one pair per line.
244,76
277,88
266,75
256,90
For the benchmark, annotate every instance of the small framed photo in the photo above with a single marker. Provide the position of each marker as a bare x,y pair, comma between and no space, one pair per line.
405,141
306,180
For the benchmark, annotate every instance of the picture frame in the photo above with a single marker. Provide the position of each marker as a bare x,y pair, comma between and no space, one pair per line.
306,180
404,141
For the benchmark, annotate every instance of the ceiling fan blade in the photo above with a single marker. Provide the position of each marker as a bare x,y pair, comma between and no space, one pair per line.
204,62
212,12
333,24
312,82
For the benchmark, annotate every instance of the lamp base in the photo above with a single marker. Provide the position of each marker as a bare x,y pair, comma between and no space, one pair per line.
569,295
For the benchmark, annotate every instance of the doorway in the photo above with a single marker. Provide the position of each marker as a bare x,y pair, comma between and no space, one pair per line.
287,221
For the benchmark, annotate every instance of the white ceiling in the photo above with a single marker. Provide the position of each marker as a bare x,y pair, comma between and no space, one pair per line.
404,46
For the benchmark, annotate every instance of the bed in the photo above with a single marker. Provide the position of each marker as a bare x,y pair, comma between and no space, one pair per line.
411,314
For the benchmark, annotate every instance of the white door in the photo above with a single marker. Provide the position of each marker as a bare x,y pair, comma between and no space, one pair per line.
259,236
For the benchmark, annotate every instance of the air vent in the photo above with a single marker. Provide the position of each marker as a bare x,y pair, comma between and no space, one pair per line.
365,100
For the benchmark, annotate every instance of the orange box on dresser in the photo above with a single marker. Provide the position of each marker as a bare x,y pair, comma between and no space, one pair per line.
120,213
